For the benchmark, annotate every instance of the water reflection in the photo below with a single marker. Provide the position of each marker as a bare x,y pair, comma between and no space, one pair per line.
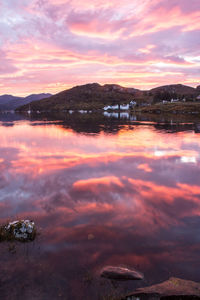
130,197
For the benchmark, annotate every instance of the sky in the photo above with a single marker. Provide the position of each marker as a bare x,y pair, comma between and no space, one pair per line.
52,45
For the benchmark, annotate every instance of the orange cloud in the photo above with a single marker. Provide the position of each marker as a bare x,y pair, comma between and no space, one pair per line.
95,185
144,167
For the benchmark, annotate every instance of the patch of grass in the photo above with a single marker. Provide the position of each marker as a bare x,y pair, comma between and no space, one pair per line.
179,108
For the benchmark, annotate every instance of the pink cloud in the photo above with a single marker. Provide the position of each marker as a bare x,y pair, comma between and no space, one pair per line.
52,45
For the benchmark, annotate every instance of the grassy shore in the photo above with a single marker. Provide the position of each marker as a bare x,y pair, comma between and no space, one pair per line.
175,108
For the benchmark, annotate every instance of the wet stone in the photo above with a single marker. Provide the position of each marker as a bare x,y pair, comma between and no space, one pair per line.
121,273
173,288
23,231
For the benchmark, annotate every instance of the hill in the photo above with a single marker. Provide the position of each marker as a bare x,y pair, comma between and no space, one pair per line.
173,91
89,96
94,96
179,89
9,102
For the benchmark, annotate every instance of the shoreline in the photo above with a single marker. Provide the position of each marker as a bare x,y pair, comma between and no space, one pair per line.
171,108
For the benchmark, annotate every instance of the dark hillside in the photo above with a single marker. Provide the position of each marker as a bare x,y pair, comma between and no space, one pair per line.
89,96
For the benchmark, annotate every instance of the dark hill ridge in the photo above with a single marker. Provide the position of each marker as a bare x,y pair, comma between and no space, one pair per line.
9,102
179,89
89,96
95,96
174,91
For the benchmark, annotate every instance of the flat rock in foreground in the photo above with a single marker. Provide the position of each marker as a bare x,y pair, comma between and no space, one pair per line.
173,288
23,231
120,273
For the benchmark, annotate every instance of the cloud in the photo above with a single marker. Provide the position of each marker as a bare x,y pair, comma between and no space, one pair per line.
129,186
53,45
7,65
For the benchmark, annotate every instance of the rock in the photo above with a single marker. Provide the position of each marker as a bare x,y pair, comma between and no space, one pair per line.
173,288
121,273
22,231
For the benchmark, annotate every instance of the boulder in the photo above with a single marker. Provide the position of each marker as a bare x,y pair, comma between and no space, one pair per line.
173,288
121,273
23,231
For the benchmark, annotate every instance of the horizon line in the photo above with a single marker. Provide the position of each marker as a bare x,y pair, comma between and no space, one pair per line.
48,92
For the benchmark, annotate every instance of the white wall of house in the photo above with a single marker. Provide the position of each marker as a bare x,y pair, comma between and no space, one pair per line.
83,111
124,106
112,107
116,107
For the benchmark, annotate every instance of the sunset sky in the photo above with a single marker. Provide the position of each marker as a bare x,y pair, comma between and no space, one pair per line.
52,45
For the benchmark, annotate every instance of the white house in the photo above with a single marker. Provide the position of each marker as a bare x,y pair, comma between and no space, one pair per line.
111,107
124,107
83,111
132,103
120,106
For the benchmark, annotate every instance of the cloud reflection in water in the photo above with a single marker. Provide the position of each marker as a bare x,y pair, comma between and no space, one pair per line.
142,209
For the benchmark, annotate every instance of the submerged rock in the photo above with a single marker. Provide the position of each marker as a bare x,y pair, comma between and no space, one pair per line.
173,288
22,231
121,273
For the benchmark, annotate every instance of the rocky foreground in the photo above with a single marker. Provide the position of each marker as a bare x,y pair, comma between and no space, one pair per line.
23,231
174,288
121,273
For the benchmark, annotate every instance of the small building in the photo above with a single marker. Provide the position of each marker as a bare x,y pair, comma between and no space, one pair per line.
111,107
132,104
124,107
83,111
174,100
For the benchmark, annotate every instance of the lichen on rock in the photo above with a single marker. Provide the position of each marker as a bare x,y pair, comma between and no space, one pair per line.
23,231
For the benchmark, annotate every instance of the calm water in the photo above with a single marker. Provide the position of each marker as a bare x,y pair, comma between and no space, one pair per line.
112,192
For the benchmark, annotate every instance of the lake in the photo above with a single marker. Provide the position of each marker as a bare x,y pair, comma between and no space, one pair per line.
102,190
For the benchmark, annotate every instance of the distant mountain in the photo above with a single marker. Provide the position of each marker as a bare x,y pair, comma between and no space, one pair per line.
4,99
9,102
89,96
